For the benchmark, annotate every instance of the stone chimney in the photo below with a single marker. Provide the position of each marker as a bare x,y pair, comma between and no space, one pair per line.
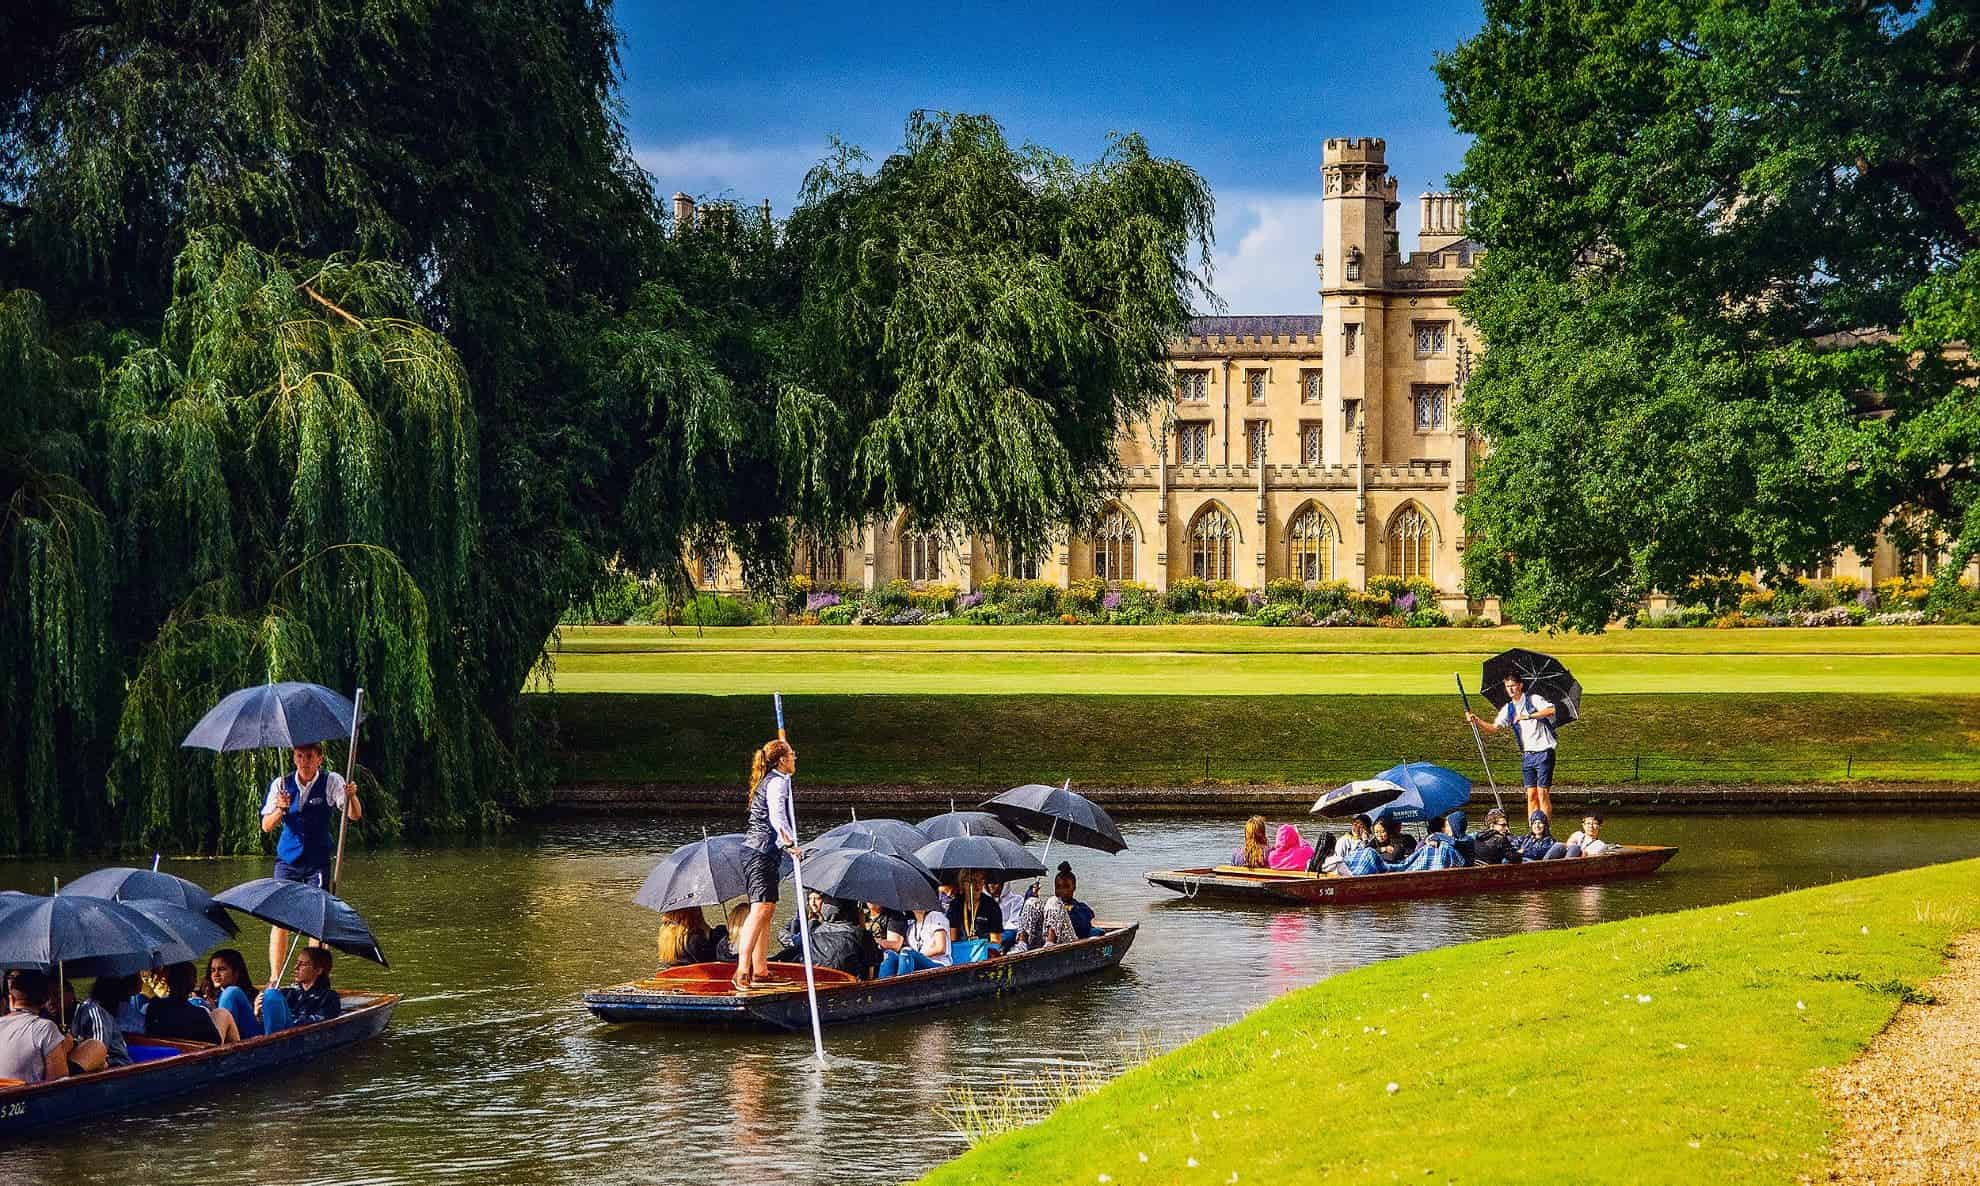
683,213
1443,214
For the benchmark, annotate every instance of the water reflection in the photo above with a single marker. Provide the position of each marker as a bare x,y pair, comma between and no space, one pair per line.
491,1070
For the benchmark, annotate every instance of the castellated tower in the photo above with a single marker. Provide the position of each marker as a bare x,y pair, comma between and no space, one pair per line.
1359,200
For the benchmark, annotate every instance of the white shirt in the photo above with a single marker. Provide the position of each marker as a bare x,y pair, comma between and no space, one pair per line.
1533,735
26,1039
1011,904
920,933
335,791
1589,848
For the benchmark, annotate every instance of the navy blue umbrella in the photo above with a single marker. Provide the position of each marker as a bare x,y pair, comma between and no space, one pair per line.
888,835
83,936
197,931
969,823
273,716
1060,813
708,872
295,906
1427,791
869,875
995,855
135,885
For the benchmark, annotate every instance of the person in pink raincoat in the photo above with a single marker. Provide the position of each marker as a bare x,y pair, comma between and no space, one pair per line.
1290,852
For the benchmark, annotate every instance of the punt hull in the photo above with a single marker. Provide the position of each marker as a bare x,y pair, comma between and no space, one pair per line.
36,1108
1634,860
866,1000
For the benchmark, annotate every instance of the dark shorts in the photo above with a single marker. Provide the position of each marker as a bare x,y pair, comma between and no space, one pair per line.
1536,767
760,874
315,875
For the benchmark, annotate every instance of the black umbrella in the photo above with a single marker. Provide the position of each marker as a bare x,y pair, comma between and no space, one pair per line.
1060,813
869,875
83,936
888,835
1544,676
969,823
273,715
1002,858
708,872
197,931
135,885
295,906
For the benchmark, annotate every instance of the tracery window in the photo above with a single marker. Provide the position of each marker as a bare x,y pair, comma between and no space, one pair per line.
1254,387
1432,338
1113,547
1312,538
1192,387
1211,544
1193,442
1254,442
1310,386
921,557
1309,443
1412,544
1430,406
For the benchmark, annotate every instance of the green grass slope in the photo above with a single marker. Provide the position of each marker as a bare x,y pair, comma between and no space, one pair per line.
1676,1048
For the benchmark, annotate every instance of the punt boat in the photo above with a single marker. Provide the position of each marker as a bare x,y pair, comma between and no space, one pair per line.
1316,889
164,1067
701,994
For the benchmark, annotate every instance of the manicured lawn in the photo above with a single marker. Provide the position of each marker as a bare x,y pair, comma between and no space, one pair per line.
977,741
1672,1048
1247,660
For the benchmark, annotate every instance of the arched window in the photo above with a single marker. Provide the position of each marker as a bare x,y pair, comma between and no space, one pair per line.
1113,547
824,564
921,557
1412,544
710,561
1312,539
1212,540
1017,563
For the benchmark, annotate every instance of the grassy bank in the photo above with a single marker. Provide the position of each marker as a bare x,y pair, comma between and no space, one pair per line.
1673,1048
1249,660
1165,740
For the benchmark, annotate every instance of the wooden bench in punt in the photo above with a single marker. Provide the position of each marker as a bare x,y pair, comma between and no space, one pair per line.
1313,889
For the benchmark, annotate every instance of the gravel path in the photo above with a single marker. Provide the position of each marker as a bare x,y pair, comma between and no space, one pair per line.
1910,1103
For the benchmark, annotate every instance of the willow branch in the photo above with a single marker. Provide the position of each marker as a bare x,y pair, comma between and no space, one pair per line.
327,303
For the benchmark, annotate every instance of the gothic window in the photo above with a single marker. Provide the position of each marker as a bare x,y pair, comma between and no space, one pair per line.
921,557
1412,544
711,559
1309,443
1350,337
1350,412
1113,547
825,564
1312,536
1254,442
1018,564
1432,338
1193,442
1254,387
1192,387
1212,540
1309,387
1430,404
1354,263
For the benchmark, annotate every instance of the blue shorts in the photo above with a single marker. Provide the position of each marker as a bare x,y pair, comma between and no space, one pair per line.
315,875
1536,767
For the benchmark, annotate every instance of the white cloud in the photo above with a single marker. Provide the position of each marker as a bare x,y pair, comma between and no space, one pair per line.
724,169
1263,262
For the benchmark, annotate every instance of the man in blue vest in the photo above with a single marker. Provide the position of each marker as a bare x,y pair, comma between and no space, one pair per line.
1532,717
303,803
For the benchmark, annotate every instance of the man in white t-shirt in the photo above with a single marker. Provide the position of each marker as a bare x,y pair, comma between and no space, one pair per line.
1533,717
32,1048
1589,840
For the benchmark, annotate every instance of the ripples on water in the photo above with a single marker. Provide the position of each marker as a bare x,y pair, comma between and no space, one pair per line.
492,1072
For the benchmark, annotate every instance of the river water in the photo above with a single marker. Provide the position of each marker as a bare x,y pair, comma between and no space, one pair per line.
492,1071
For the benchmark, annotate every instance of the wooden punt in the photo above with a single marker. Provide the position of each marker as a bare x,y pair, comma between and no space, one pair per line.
700,994
29,1109
1314,889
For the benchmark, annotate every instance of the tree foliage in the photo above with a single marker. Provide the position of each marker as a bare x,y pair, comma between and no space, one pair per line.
347,342
1728,291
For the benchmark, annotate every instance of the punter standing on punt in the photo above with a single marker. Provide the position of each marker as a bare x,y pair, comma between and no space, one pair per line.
301,803
1533,716
772,831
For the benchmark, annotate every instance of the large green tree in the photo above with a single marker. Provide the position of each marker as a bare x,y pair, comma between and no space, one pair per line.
346,342
1729,289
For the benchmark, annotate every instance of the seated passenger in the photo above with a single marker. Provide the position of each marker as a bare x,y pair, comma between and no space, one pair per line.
1256,849
32,1048
311,1000
1459,829
1588,842
1354,839
229,987
725,936
96,1018
1078,915
174,1015
1539,844
1496,845
838,942
788,937
684,938
1323,853
1438,850
927,946
889,928
1391,843
982,914
1010,904
1290,852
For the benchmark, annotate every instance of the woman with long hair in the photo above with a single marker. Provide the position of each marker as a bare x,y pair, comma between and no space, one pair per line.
771,832
1257,849
228,986
685,938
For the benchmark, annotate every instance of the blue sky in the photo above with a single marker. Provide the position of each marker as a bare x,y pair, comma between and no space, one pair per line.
739,100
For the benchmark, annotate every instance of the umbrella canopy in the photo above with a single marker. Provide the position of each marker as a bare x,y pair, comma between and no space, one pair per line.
1544,675
708,872
196,931
969,823
1427,791
294,906
869,875
992,854
85,936
135,885
1060,813
273,715
1356,797
896,836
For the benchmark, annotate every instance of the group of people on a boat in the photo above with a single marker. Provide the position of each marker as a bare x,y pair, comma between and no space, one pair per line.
1380,845
46,1034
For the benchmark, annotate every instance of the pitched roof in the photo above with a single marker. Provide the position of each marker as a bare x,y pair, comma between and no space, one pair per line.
1255,325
